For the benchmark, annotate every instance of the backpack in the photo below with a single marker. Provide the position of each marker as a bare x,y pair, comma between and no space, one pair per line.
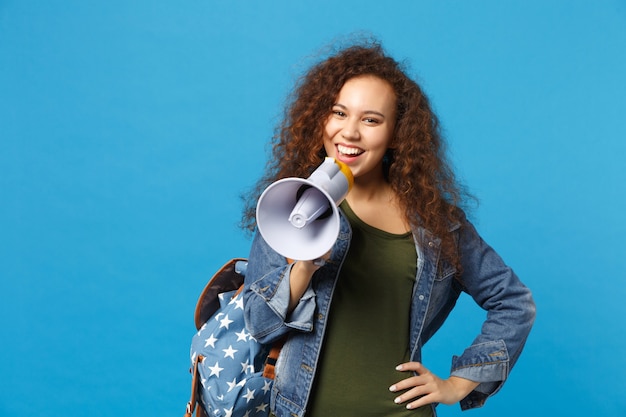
232,373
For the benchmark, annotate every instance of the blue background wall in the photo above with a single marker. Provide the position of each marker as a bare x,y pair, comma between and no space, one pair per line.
129,129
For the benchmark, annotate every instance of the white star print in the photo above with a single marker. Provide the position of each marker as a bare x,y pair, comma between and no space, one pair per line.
229,352
210,341
228,411
244,366
261,407
249,395
225,322
267,386
232,384
242,336
215,370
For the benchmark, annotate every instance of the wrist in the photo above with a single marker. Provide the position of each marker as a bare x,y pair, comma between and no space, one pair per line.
304,268
462,386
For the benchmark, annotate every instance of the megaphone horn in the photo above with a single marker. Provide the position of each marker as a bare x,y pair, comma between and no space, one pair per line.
298,217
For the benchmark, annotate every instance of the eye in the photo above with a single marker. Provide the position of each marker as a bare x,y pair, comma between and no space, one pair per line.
371,120
339,113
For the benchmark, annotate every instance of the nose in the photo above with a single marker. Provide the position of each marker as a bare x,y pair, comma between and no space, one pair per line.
350,130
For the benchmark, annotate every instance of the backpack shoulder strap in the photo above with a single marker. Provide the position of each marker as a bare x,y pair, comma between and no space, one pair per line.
269,370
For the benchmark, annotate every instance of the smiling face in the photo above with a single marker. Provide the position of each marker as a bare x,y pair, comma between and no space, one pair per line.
360,128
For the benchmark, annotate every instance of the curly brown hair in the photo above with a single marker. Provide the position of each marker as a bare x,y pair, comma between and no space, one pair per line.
418,170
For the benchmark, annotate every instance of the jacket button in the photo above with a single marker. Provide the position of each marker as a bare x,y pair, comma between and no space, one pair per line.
431,244
421,297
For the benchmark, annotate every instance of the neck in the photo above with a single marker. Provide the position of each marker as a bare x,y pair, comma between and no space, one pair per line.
378,206
370,190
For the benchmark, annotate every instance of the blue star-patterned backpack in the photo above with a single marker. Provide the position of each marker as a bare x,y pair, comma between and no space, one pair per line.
232,373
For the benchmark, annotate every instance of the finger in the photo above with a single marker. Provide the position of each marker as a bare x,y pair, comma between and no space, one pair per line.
412,366
420,402
407,383
412,394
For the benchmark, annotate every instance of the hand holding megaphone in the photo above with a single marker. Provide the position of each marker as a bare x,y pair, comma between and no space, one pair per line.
299,217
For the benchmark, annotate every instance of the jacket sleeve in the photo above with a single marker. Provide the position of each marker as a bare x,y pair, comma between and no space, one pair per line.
510,315
266,296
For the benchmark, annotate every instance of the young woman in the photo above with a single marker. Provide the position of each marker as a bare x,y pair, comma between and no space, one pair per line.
354,327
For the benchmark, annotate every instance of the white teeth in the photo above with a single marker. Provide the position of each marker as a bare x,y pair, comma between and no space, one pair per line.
349,150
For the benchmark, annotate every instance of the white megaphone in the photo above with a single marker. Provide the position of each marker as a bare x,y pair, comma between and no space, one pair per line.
299,217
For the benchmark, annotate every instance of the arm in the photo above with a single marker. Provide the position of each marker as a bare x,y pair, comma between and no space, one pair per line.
510,316
273,305
299,281
484,366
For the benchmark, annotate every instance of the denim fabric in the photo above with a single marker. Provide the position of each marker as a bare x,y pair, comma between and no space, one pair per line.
493,285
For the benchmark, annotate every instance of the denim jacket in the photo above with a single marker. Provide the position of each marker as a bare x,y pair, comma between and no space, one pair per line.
493,285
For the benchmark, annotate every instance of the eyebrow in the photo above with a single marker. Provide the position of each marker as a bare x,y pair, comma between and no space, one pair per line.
365,112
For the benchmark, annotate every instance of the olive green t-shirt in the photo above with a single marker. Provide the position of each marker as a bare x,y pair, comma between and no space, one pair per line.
367,334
